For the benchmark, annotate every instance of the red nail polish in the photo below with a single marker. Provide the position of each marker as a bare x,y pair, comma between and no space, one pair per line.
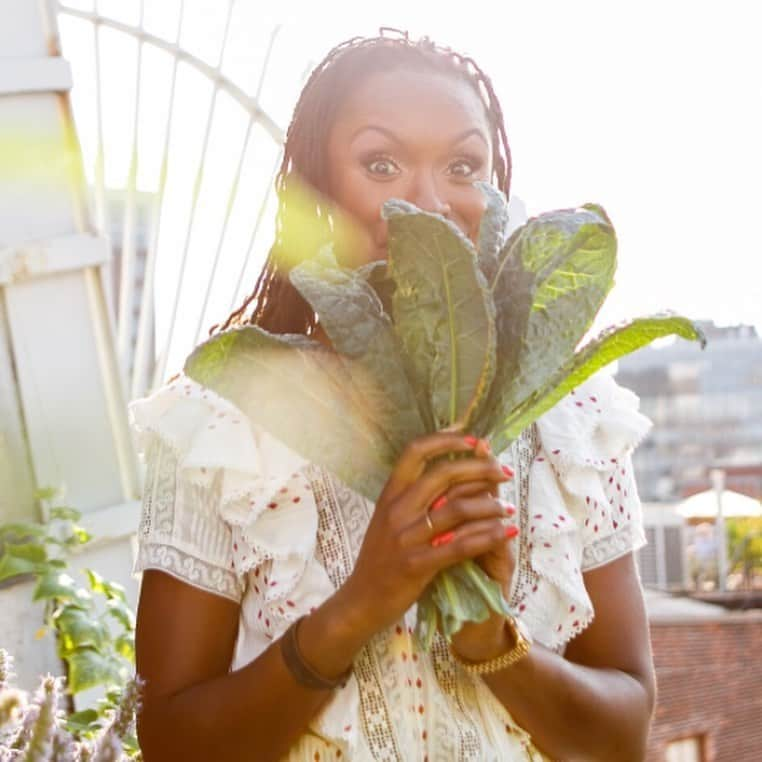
471,441
508,471
439,503
442,539
510,510
483,448
511,531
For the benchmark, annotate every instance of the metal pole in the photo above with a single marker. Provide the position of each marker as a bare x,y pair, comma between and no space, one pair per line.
144,343
661,559
717,476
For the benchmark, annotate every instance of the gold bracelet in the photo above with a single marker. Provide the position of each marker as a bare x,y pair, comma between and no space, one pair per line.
519,651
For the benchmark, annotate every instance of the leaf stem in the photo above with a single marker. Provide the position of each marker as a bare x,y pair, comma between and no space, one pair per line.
453,342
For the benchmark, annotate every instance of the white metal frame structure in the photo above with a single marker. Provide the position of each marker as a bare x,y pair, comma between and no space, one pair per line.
62,419
63,395
68,359
142,379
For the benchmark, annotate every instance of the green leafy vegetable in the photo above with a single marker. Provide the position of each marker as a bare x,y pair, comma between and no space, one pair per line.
444,335
613,343
296,389
492,229
442,313
359,329
551,280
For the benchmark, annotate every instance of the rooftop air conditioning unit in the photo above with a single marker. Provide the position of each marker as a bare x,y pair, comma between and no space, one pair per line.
662,562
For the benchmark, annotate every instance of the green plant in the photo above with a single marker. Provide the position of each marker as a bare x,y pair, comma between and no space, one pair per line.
93,625
37,730
444,336
744,538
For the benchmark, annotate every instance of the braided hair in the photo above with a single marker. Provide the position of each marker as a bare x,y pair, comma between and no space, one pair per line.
277,306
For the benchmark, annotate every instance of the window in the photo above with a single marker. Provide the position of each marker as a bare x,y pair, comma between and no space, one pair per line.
685,750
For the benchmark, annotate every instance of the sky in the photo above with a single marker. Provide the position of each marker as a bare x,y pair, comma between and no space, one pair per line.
652,109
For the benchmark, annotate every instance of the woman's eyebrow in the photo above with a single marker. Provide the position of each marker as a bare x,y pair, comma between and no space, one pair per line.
396,139
377,128
467,134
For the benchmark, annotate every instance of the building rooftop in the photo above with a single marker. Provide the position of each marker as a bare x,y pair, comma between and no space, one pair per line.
662,606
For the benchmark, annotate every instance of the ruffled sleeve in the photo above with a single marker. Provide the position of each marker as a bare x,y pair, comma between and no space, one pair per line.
231,509
241,498
584,510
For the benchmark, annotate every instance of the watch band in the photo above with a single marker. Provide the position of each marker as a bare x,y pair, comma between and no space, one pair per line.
504,660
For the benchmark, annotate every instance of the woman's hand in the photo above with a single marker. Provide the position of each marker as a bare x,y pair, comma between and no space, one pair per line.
482,641
401,553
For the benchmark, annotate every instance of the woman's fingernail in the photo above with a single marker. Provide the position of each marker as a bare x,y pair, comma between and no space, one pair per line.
511,531
442,539
439,502
510,508
508,471
471,441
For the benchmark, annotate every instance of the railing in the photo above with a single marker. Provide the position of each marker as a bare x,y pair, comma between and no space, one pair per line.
237,237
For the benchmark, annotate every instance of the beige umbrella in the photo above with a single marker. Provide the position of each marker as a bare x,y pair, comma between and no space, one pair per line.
704,505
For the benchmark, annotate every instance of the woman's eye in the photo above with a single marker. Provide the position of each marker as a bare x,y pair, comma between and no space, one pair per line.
382,166
464,167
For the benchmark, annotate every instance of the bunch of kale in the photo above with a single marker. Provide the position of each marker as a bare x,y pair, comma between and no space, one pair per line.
441,335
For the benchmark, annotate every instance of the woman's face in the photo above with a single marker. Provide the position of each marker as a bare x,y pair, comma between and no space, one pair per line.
421,137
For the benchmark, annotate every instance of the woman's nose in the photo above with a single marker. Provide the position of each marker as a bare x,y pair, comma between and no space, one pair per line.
425,194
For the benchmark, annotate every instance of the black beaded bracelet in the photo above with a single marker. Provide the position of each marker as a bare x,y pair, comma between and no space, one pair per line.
301,671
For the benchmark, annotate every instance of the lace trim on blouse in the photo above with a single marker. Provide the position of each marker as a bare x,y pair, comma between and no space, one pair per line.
188,568
158,542
615,545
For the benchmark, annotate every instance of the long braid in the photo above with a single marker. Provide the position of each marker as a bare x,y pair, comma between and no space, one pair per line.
278,306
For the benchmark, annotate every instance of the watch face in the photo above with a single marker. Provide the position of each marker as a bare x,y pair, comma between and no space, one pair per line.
523,630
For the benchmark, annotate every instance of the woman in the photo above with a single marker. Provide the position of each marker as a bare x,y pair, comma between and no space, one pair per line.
277,606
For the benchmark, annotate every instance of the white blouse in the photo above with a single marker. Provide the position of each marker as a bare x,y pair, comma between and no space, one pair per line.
231,510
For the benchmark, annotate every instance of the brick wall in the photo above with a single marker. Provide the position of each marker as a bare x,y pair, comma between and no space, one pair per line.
709,676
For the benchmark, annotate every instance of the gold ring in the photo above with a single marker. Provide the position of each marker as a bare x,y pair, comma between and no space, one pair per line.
428,521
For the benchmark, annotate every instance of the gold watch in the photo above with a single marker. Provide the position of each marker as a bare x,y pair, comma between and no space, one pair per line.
523,641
